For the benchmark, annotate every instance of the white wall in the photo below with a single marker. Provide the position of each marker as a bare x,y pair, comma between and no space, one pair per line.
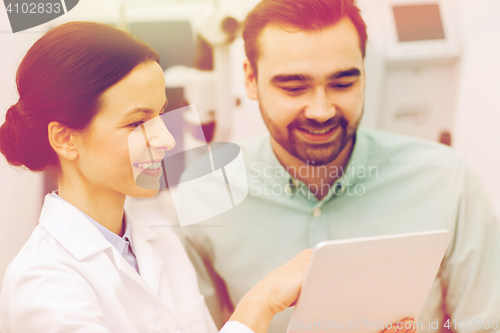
20,190
477,127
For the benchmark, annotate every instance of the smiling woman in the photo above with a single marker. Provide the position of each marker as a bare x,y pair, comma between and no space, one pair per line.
86,92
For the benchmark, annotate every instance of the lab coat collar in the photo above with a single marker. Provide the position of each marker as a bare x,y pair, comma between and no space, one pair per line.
71,228
150,264
140,229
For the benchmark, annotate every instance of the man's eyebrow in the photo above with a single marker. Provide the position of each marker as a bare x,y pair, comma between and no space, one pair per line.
283,78
352,72
145,110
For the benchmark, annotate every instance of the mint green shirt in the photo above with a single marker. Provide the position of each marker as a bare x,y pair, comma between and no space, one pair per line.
392,184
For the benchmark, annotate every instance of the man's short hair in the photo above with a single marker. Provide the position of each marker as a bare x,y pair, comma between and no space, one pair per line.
309,15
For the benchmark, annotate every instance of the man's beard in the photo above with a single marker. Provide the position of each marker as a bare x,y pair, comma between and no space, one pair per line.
313,153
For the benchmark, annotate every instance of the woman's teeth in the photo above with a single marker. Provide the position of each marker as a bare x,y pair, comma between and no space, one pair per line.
150,166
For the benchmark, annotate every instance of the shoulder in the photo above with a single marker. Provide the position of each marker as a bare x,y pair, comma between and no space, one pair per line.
42,254
399,150
41,250
42,268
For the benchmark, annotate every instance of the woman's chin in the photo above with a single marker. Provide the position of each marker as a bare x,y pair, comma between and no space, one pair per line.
139,192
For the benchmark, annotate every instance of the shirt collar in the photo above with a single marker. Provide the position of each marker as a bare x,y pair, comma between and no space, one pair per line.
119,243
356,170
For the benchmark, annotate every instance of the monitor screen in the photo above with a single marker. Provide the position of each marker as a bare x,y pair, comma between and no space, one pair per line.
418,22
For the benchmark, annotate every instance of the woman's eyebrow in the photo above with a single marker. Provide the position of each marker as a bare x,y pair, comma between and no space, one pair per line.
145,110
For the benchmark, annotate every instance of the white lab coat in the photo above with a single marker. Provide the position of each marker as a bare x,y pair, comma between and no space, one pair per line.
68,278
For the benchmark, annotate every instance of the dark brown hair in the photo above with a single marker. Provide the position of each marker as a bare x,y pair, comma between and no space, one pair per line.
309,15
61,78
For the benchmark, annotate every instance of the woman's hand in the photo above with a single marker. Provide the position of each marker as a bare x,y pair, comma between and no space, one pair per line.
274,293
281,287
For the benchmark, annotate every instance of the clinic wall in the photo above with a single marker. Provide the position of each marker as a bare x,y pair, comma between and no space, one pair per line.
477,121
20,190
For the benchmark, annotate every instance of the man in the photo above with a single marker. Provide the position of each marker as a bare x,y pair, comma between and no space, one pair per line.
320,177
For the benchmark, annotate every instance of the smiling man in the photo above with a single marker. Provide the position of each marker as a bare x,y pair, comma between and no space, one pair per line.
318,177
310,86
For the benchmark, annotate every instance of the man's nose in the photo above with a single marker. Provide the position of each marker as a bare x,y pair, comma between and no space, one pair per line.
320,107
157,134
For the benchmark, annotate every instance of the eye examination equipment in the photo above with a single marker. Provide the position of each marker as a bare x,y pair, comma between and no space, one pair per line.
368,282
412,65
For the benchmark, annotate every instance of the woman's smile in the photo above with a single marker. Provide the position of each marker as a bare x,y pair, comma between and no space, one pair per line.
152,169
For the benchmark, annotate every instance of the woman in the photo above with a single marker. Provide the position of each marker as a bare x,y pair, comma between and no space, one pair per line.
83,88
88,266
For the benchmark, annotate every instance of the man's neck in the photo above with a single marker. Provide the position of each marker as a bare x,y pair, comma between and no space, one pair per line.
318,179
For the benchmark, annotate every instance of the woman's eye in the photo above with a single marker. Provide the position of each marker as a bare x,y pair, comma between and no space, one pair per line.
136,124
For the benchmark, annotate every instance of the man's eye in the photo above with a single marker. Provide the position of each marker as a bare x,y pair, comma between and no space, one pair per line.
343,85
293,89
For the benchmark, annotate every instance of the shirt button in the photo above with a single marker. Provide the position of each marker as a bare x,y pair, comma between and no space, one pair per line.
316,212
339,189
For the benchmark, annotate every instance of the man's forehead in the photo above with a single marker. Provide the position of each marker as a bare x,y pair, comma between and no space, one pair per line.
289,50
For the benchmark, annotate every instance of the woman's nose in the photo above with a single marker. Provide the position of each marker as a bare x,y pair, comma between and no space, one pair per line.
157,134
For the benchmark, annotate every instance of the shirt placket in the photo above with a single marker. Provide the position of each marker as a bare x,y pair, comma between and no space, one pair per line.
318,218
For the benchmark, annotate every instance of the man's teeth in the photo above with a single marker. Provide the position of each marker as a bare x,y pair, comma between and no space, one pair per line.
317,131
149,166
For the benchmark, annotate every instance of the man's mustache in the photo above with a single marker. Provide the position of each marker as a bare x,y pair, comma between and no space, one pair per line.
311,124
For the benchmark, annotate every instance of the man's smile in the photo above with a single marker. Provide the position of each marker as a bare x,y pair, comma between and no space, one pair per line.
319,135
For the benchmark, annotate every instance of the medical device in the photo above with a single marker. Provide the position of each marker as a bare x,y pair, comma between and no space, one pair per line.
412,66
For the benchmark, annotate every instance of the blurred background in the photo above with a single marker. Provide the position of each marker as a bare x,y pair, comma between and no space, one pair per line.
432,72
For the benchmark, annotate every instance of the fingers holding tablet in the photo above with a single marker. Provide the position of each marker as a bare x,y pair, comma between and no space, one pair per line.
283,284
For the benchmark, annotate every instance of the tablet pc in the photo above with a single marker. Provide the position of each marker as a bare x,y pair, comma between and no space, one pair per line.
363,285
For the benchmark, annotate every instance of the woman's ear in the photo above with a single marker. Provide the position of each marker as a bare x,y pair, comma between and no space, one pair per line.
250,81
62,141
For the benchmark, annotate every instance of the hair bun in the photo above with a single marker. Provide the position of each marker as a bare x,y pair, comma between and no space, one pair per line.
13,113
16,140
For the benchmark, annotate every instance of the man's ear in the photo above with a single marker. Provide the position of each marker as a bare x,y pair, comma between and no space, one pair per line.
250,81
62,141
